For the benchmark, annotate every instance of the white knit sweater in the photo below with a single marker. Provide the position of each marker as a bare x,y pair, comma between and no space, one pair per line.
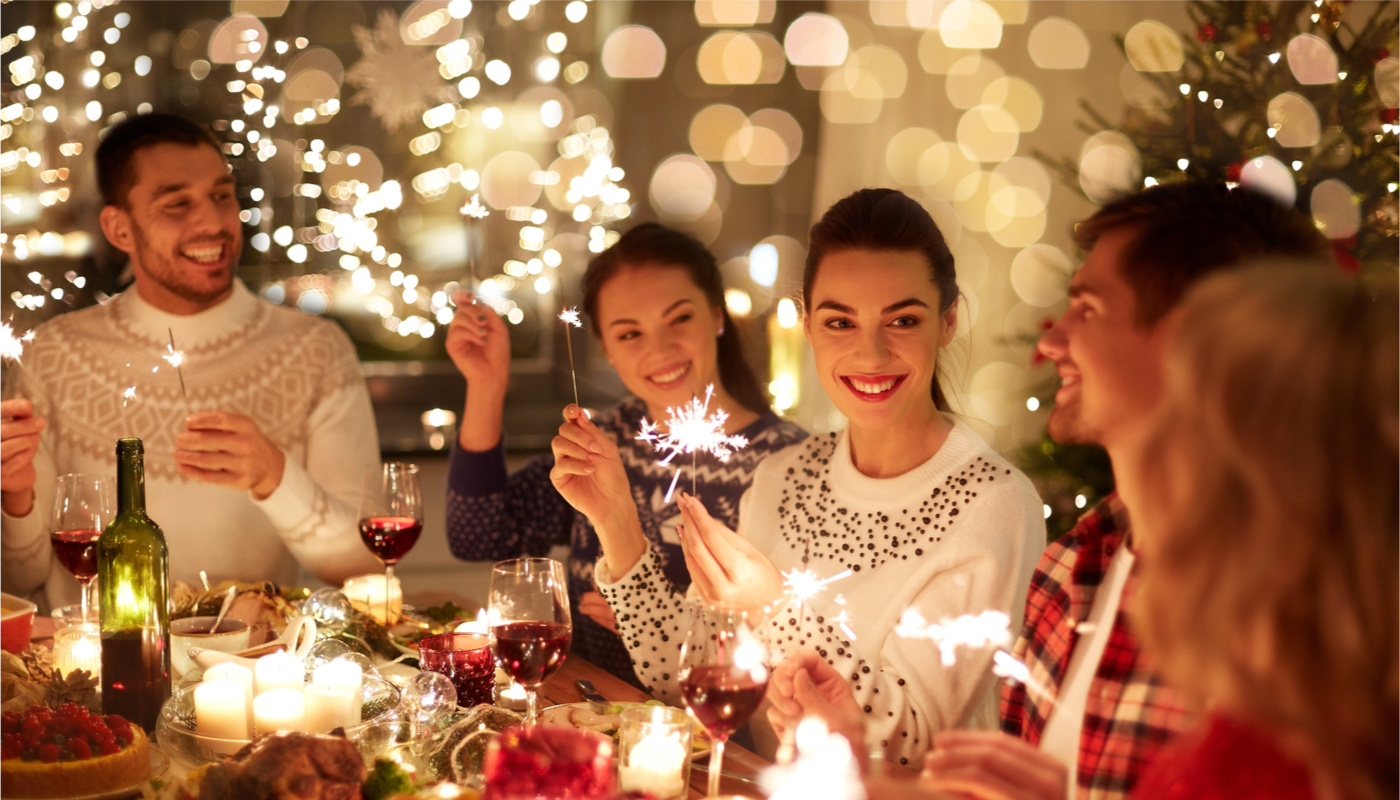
959,534
295,375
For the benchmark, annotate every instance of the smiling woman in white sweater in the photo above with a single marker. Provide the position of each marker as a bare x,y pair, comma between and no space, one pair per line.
914,503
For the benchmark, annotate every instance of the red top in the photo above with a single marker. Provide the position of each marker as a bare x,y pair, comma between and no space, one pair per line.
1224,759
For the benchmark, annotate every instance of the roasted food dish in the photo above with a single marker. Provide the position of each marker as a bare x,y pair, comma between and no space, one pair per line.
288,766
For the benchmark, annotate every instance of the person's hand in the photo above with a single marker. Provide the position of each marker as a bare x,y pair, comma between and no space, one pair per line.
807,686
725,566
588,473
478,344
19,442
229,449
992,766
593,606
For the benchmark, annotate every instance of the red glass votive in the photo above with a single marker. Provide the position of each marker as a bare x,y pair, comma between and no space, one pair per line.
525,763
465,658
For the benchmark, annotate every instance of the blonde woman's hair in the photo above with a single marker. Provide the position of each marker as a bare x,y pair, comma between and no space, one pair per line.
1268,521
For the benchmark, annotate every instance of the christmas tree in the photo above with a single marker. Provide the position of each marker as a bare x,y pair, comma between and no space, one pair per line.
1296,99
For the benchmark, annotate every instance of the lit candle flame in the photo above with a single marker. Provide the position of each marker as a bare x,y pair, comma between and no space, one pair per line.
690,430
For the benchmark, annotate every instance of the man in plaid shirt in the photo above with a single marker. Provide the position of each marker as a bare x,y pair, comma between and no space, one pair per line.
1096,712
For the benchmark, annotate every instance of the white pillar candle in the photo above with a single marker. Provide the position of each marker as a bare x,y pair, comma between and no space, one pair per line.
279,710
279,671
346,673
235,672
221,711
330,707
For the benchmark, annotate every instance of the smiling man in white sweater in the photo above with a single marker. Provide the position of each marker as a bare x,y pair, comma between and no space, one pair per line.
257,469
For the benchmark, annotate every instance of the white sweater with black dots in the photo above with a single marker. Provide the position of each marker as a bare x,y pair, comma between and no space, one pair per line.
959,534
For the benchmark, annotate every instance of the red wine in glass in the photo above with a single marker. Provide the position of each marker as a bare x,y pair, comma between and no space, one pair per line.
390,538
77,552
530,652
722,698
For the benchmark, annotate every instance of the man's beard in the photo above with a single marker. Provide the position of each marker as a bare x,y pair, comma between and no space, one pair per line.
164,271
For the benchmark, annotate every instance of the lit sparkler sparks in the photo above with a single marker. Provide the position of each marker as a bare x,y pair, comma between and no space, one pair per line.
990,628
473,210
11,346
825,767
176,358
690,430
569,316
805,584
1005,665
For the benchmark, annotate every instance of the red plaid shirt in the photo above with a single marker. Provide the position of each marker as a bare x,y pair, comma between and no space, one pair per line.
1129,713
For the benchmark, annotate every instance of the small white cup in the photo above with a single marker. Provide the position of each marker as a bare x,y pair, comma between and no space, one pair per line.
231,637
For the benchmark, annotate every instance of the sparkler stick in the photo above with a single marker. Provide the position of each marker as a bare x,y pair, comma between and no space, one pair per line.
688,431
176,358
473,210
569,316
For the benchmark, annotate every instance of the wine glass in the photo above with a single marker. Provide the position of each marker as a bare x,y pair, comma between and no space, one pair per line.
391,518
530,623
82,507
723,674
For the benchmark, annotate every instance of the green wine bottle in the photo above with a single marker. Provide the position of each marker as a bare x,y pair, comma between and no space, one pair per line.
132,573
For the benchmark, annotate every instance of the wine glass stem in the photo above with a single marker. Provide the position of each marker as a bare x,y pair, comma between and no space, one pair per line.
388,589
84,589
531,701
716,764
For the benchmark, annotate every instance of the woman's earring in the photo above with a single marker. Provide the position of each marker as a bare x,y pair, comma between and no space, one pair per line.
721,332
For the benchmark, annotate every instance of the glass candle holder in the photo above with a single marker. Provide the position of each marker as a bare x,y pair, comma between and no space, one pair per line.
654,746
368,593
78,647
466,660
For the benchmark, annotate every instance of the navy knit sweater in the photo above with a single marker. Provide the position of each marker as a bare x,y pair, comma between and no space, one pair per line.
492,516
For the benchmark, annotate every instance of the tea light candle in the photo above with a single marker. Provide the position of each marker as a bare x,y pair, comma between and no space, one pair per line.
244,676
221,711
368,593
279,710
654,753
279,671
344,674
330,707
78,647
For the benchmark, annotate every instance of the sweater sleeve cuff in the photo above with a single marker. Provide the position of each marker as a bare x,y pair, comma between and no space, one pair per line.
477,474
605,579
291,502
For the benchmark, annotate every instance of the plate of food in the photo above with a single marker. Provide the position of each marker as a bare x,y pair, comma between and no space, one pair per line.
117,763
585,717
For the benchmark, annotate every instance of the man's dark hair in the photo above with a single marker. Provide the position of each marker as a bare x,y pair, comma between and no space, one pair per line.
115,171
1187,230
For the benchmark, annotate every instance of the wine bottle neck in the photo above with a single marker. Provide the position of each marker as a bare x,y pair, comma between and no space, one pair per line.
131,480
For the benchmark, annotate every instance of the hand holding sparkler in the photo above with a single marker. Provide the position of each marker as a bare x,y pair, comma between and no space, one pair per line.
228,449
479,346
588,473
724,565
19,442
986,765
805,685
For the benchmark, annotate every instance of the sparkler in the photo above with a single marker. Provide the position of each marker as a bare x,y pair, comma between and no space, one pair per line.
11,351
176,358
988,629
473,210
825,767
690,430
569,316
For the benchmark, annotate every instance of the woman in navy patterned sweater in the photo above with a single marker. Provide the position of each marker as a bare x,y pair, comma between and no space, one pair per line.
656,301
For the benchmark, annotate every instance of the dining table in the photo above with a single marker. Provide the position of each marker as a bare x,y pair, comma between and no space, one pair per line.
741,766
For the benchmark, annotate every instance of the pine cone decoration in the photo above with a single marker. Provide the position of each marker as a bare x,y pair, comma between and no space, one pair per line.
78,687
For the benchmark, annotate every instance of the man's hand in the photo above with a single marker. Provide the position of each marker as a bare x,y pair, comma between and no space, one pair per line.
19,441
593,606
725,566
806,686
229,449
992,766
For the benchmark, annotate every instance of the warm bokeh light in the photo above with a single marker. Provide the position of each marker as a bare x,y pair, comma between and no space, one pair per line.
1057,43
1312,60
1109,166
988,133
904,150
816,40
734,13
1295,119
633,51
1336,209
238,38
970,24
1018,98
1040,275
1153,47
969,78
1270,176
711,128
682,188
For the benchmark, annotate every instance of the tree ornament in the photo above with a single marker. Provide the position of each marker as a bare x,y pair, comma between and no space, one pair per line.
1381,55
1206,33
1390,115
1232,172
1384,216
1265,29
398,81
